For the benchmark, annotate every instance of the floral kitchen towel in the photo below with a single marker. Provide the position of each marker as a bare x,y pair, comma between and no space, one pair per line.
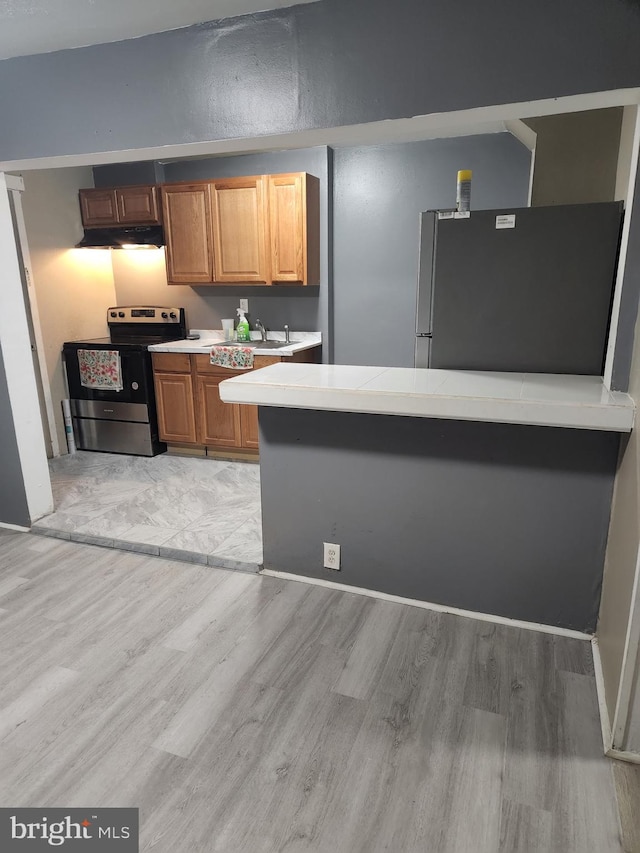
235,358
100,369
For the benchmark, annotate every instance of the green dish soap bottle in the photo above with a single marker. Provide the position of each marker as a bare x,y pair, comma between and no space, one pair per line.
244,332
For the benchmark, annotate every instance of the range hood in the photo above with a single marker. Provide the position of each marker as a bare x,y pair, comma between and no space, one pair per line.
141,237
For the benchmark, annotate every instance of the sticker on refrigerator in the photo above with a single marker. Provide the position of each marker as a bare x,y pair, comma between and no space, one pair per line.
506,220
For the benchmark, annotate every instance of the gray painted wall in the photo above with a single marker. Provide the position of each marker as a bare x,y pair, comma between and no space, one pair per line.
13,499
501,519
379,193
317,65
127,174
304,309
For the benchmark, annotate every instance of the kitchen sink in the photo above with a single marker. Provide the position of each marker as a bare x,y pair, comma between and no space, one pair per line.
252,344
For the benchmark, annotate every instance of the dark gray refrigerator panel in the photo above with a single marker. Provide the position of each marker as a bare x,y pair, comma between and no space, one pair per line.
425,271
535,297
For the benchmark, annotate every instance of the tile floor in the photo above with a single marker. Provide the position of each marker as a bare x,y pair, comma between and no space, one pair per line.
201,510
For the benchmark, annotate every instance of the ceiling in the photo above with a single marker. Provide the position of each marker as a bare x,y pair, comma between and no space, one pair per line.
42,26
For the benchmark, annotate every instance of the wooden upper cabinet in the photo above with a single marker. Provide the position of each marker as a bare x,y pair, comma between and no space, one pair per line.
186,211
262,229
105,208
98,208
294,225
240,230
138,205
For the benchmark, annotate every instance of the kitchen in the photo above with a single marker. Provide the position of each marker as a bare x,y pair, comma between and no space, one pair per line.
379,191
265,110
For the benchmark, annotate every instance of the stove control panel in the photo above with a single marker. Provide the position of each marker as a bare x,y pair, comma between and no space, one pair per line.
144,314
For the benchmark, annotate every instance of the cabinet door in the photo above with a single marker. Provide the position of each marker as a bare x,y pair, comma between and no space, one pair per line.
138,205
98,208
239,230
218,422
294,226
187,226
249,426
174,398
249,414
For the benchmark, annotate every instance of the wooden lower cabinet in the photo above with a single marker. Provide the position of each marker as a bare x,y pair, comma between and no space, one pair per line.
249,426
218,422
174,400
190,410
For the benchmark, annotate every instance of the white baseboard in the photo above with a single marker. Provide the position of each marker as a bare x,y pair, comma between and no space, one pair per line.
427,605
621,755
14,527
605,722
607,734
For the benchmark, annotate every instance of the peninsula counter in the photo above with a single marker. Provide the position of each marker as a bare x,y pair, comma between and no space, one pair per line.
480,491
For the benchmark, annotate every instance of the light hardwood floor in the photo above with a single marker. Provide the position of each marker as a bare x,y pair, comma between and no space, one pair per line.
248,714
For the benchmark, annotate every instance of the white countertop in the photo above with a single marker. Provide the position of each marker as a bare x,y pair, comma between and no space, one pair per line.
210,337
579,402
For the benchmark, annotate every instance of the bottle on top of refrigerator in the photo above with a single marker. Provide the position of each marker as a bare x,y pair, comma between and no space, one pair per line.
463,190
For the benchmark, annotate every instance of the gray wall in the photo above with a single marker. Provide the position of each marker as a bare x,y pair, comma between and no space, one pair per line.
13,499
501,519
317,65
379,193
304,309
126,174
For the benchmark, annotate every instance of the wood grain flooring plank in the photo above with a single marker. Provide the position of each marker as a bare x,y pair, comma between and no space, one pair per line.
208,699
242,766
292,785
29,703
627,781
584,774
534,740
312,784
417,711
76,730
470,819
185,636
573,655
279,761
524,829
369,651
488,683
7,585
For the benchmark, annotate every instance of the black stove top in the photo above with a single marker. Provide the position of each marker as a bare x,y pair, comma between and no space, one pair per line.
138,327
139,341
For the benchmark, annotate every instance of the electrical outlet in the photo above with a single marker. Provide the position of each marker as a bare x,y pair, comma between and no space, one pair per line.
331,556
244,305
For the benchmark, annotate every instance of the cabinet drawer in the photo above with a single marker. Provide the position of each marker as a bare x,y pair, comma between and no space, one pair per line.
203,365
171,362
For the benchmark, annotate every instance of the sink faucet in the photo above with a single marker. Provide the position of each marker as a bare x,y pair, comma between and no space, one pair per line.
261,328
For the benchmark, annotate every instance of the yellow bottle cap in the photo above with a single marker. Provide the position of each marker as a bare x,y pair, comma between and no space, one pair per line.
465,175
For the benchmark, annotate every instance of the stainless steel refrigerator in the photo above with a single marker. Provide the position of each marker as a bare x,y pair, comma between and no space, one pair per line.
525,289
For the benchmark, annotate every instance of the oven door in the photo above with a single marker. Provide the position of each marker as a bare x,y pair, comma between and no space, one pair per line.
137,378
